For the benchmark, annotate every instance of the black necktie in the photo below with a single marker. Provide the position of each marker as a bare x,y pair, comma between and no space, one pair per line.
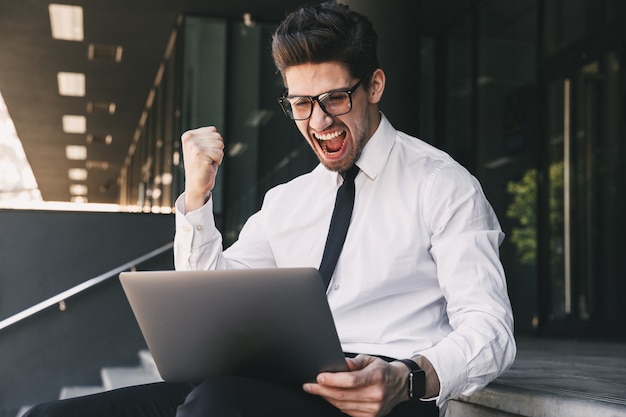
339,223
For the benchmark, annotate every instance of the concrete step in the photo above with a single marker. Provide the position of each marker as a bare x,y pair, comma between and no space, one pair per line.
569,378
119,377
147,361
23,410
503,399
79,391
113,378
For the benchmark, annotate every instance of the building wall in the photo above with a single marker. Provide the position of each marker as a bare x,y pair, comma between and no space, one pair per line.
44,253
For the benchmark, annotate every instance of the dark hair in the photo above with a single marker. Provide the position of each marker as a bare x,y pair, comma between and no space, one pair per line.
323,33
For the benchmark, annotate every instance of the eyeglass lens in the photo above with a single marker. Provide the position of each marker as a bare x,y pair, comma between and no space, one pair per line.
333,104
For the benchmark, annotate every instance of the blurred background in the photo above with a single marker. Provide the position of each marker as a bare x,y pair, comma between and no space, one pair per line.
527,94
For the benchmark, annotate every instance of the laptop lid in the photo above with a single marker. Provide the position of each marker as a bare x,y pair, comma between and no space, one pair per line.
265,323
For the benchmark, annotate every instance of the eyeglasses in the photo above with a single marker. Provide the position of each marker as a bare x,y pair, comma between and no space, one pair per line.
333,103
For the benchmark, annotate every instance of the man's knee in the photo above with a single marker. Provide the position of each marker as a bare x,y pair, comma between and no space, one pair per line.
236,397
212,397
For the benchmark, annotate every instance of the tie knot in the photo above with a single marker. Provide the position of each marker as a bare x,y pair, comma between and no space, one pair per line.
350,174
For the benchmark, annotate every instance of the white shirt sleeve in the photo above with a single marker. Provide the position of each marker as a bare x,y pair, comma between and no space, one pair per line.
465,245
198,243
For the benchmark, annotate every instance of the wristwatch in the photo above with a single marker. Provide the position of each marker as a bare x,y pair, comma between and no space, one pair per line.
416,381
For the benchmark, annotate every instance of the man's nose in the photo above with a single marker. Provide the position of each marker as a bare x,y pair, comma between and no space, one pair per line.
319,119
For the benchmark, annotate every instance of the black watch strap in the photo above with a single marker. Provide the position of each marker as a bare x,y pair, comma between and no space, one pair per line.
416,381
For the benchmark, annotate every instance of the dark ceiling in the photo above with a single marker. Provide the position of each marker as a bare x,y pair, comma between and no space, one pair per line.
30,60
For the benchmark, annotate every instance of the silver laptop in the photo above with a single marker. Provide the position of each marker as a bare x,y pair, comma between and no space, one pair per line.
263,323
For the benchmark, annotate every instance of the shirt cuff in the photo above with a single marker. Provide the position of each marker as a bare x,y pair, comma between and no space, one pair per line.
451,367
194,228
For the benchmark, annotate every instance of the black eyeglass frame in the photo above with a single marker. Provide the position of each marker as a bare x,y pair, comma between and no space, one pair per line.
319,98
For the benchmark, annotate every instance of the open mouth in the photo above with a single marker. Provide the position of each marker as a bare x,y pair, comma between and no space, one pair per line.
331,143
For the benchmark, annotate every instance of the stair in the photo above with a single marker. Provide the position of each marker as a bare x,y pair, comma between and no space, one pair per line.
503,399
113,378
119,377
79,391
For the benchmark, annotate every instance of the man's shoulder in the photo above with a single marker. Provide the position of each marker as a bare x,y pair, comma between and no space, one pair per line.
416,153
420,147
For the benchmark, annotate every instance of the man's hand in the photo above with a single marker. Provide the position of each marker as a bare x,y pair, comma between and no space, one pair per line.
371,388
203,151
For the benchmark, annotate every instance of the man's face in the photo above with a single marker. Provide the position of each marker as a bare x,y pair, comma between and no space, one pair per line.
336,140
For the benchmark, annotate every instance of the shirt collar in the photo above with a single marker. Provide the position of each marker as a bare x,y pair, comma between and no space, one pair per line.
377,150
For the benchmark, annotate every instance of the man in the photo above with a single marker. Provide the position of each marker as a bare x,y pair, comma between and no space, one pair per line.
418,278
419,275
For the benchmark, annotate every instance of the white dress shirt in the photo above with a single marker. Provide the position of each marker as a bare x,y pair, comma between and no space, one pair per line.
419,272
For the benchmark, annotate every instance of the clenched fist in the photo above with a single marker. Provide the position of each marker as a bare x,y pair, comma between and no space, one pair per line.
203,151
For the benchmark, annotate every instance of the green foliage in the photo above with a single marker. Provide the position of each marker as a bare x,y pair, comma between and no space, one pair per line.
523,208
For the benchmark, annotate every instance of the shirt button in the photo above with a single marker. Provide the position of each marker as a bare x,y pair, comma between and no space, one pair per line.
199,228
185,229
336,287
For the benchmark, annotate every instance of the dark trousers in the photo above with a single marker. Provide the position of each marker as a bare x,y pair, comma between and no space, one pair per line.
217,397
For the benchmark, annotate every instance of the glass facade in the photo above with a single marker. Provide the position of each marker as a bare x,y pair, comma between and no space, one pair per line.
583,78
528,95
585,190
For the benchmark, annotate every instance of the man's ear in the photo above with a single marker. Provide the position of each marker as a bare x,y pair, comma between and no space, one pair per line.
377,86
